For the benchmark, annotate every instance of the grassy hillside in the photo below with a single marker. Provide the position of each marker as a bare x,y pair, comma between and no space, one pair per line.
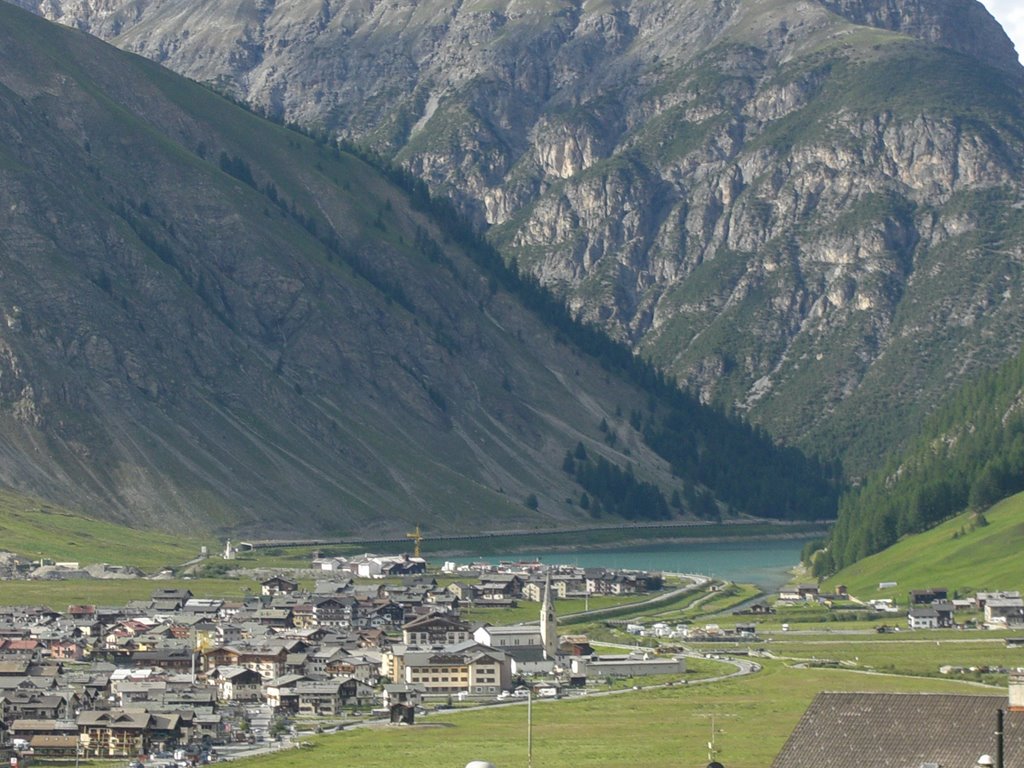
36,529
967,455
957,554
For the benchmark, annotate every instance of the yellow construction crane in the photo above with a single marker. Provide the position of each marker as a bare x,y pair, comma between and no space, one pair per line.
417,537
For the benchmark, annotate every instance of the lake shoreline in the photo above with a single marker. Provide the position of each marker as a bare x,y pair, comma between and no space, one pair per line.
464,552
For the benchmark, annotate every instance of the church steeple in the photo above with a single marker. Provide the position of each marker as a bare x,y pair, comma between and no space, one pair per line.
548,621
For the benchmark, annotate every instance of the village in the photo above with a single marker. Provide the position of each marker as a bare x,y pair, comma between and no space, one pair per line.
181,679
184,678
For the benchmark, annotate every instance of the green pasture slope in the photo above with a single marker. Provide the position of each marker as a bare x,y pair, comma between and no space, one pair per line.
36,529
958,554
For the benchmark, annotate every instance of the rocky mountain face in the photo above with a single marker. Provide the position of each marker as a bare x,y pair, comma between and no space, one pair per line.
200,327
807,210
209,321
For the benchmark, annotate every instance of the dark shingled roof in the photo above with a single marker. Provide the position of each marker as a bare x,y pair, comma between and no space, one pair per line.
901,730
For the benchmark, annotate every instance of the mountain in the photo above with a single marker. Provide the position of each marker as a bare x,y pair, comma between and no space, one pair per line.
806,210
212,323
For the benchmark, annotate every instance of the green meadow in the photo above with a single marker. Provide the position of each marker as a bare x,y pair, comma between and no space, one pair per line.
665,727
958,554
36,529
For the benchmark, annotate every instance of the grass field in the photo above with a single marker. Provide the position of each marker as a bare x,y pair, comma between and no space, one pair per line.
957,554
36,529
58,595
667,727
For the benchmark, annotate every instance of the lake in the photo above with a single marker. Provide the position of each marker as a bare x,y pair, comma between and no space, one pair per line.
764,563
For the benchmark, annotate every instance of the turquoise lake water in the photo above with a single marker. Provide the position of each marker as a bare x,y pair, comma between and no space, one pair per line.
764,563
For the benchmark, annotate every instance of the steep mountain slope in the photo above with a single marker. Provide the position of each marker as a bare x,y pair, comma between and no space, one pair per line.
210,322
805,209
969,454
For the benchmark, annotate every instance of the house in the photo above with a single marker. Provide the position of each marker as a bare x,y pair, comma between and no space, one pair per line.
499,587
923,618
281,693
944,610
170,599
1006,611
327,698
468,667
237,684
328,563
333,611
981,598
269,662
123,733
908,730
435,629
927,596
28,729
401,701
402,693
278,585
800,592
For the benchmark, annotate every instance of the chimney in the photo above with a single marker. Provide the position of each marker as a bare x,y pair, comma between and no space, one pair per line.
1017,690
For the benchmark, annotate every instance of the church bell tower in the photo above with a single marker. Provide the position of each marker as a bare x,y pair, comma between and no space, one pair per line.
548,622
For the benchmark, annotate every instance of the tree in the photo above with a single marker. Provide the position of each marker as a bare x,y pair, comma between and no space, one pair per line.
569,463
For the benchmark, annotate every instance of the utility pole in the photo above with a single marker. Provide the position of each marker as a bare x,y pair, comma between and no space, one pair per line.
529,727
712,748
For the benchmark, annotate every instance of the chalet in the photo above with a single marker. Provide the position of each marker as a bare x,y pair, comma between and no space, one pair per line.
927,596
123,733
923,618
403,565
206,607
461,591
169,600
982,598
1007,612
401,701
499,586
333,611
280,693
36,705
278,585
853,730
402,693
171,659
237,683
361,667
268,662
435,629
329,697
574,645
944,610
